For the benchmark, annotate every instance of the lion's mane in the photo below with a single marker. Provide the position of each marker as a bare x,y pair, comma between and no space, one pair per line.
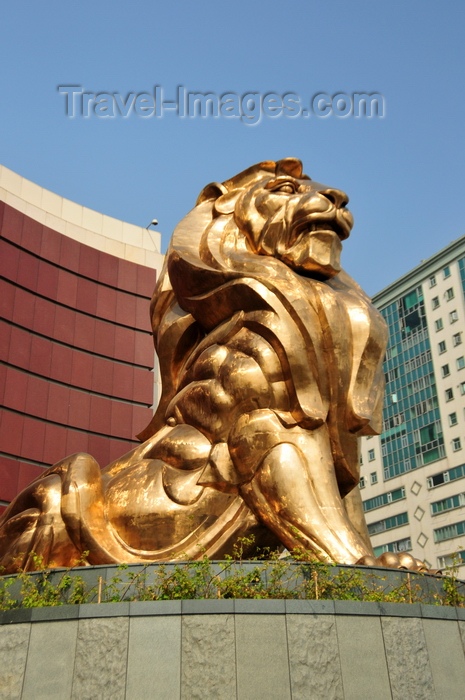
213,282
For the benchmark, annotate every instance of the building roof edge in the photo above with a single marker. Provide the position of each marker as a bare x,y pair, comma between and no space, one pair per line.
420,272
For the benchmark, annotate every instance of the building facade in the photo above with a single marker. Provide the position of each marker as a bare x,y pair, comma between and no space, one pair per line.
76,352
413,475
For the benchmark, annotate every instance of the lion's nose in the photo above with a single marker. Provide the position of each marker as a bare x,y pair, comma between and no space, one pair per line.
336,197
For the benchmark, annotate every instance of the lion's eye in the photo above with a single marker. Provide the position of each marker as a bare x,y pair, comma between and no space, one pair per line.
286,187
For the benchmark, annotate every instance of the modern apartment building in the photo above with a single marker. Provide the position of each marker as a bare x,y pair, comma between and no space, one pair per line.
76,351
413,475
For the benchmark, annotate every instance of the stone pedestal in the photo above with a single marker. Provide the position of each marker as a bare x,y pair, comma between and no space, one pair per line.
233,650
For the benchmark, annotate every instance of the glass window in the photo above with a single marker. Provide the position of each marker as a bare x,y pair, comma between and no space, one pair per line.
435,302
371,455
437,480
442,346
411,299
451,560
445,371
453,419
453,316
438,324
362,482
455,473
449,531
449,394
462,388
388,523
373,478
457,339
432,281
445,477
404,545
460,362
456,444
449,294
446,272
448,504
428,433
383,499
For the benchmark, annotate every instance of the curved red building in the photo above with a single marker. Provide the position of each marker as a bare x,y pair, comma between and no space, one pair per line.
76,351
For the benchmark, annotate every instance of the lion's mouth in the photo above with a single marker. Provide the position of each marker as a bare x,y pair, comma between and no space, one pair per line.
311,225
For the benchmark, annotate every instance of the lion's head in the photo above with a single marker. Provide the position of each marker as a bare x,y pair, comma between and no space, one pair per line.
285,214
270,224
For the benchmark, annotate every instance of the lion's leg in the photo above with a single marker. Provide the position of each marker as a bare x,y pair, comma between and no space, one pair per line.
354,509
297,496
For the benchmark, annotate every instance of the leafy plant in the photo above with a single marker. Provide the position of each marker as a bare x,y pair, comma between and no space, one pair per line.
297,576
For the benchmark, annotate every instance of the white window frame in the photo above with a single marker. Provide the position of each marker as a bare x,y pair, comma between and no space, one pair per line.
453,420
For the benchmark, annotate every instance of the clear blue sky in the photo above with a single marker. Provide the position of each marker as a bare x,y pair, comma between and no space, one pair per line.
404,173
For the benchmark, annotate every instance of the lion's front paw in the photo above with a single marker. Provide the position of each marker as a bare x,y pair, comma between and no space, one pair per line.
394,561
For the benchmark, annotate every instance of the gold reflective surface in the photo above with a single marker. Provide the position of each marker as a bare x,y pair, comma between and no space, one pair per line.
271,359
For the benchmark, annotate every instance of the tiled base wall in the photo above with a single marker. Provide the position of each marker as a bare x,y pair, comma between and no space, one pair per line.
226,649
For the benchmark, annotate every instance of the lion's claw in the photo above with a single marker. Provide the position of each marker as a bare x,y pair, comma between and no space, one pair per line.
394,561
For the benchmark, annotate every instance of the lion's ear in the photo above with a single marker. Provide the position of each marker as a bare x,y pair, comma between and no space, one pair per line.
289,166
211,191
226,203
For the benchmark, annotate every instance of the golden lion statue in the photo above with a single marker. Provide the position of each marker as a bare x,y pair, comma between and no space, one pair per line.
270,357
